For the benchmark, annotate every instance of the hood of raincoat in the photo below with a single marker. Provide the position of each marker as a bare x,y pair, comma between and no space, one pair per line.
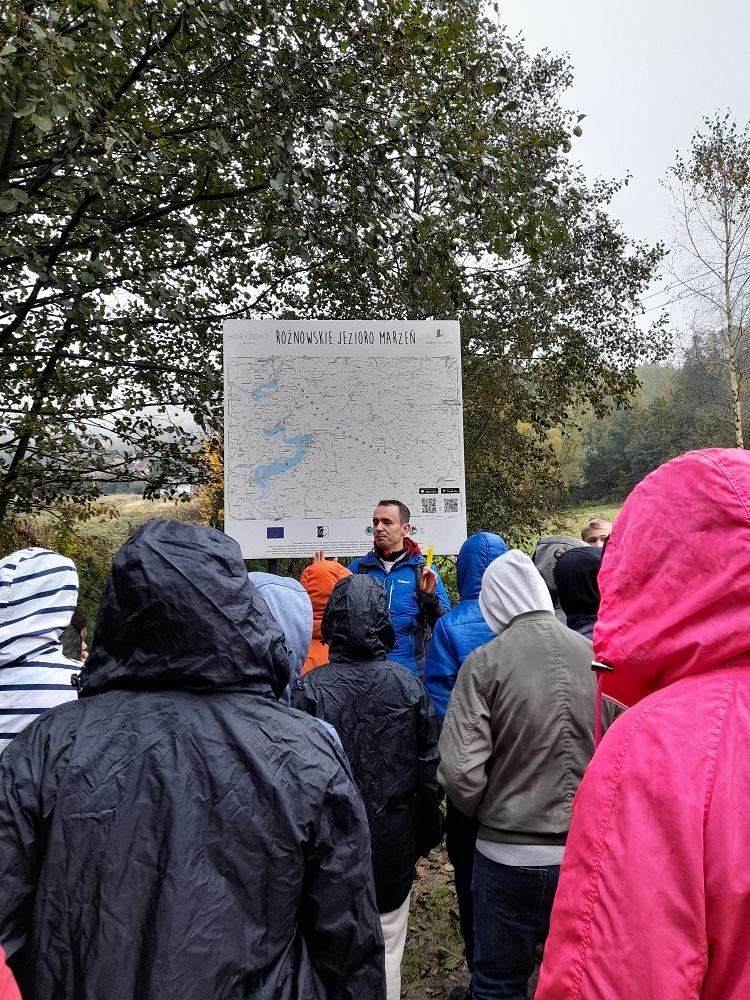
512,586
38,595
178,611
675,596
474,557
356,624
576,575
289,603
319,579
546,555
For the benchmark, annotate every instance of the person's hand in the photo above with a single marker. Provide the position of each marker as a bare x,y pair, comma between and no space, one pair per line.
319,555
428,583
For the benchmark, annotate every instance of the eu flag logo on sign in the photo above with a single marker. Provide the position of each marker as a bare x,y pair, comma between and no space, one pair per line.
274,532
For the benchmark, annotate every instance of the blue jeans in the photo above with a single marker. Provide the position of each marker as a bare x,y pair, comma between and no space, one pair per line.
512,908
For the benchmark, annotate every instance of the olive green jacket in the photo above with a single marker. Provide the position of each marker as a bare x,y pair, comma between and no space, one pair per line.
519,731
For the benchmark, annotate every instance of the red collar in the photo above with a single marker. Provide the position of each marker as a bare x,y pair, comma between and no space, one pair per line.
410,548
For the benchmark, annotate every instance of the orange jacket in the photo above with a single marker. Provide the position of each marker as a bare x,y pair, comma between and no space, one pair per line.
319,579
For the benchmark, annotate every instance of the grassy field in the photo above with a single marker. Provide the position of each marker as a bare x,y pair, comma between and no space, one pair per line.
121,514
570,519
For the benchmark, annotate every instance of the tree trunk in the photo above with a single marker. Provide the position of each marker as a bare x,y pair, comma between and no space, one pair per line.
734,386
732,344
10,478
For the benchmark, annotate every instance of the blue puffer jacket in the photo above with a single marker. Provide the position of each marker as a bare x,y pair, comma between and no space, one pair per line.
401,590
463,629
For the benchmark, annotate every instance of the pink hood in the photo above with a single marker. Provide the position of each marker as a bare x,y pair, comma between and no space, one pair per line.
674,578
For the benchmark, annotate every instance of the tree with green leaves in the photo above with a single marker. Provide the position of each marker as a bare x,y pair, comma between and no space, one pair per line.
546,285
679,414
166,165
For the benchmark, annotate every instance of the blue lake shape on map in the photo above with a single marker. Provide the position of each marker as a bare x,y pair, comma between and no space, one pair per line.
263,473
264,389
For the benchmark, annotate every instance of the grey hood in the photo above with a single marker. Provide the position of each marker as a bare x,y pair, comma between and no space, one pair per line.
545,558
512,586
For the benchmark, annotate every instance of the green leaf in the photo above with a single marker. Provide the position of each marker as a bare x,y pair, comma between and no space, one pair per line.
42,122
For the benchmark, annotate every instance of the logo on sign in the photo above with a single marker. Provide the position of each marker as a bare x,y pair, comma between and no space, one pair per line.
274,532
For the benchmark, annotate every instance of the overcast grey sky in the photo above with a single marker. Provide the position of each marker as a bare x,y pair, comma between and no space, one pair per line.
646,72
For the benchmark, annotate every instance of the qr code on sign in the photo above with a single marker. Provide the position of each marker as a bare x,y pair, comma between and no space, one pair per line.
429,505
450,505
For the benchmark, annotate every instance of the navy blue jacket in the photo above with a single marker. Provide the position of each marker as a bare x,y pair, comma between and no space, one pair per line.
388,728
404,607
462,629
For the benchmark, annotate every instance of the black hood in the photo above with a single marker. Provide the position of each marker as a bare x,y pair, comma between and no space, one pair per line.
178,611
576,575
356,624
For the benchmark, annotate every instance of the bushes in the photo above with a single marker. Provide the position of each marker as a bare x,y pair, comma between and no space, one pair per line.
90,539
60,531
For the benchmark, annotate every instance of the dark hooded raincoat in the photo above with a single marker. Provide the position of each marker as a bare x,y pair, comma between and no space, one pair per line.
176,834
576,575
388,727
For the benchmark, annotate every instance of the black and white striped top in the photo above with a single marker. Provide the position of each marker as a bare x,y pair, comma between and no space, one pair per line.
38,594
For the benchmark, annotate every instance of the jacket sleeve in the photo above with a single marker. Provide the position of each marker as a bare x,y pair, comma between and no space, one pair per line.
629,913
339,915
20,848
434,605
441,668
466,740
430,792
30,771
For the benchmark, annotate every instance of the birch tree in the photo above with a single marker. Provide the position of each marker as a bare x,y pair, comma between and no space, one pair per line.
710,187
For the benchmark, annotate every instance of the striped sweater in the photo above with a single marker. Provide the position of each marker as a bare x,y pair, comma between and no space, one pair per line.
38,594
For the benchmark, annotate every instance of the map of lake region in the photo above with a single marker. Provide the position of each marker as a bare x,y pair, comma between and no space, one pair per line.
305,436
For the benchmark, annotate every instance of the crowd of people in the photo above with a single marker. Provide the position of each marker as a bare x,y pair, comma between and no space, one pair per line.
227,796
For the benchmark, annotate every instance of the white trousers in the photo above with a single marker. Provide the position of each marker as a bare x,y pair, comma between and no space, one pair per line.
394,926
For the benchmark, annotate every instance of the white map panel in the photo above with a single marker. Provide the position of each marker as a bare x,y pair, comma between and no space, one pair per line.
322,419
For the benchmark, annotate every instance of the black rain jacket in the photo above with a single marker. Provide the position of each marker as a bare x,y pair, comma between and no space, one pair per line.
176,834
388,727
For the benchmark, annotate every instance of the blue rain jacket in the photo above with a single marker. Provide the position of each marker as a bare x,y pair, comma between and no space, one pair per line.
460,631
404,607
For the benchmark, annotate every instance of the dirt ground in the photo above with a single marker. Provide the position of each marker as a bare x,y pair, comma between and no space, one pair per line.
434,957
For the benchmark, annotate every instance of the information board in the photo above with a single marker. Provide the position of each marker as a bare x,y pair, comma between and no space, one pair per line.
324,418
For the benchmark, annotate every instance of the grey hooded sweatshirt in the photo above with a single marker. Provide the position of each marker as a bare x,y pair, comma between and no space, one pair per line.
547,552
519,730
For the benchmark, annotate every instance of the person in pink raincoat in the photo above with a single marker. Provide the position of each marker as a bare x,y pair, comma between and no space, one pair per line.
654,895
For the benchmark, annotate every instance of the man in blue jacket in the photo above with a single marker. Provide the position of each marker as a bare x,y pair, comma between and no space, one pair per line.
454,636
416,596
